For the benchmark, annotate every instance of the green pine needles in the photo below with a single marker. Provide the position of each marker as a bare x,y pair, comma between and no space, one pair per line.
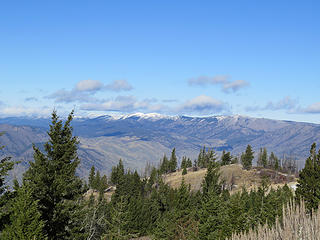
308,188
52,179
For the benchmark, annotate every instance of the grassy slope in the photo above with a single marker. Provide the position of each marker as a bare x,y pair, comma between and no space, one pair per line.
234,172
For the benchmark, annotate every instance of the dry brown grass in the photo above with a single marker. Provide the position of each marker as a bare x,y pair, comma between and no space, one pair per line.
297,225
193,178
107,195
234,175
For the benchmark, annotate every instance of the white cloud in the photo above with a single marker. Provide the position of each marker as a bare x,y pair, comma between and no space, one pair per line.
313,108
235,85
89,85
223,80
204,80
119,85
203,104
199,105
84,90
123,104
287,103
65,96
18,111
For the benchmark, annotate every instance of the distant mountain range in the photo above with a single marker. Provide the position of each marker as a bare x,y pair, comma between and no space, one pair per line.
140,138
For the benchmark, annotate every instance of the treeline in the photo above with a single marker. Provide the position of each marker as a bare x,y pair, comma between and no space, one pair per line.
50,203
264,160
285,164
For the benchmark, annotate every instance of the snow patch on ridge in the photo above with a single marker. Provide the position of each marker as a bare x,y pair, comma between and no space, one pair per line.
150,116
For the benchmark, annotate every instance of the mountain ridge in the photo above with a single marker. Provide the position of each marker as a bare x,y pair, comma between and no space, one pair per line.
140,138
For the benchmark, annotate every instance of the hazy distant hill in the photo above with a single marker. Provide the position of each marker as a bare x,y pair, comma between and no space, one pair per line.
140,138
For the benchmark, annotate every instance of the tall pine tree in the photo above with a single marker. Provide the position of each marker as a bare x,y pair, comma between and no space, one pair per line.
52,179
247,157
173,161
308,188
92,176
5,166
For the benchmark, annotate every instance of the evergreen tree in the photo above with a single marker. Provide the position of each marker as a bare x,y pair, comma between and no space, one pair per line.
308,188
189,163
118,220
205,158
179,221
259,161
276,164
264,158
273,161
183,162
52,179
165,165
117,173
225,158
25,218
201,158
214,220
97,181
5,166
211,181
92,175
103,183
173,161
247,157
184,171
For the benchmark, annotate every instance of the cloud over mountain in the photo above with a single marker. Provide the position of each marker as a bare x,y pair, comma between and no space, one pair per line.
84,90
203,104
124,104
223,80
287,103
313,108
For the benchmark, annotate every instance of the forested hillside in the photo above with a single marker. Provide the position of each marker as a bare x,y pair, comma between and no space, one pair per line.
50,202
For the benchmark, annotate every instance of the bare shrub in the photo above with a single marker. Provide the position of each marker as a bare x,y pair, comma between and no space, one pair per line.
296,224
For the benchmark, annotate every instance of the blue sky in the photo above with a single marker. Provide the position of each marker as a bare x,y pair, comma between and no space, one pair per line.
198,58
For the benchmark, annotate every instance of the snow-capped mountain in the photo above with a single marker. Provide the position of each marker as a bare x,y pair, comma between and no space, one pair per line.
139,138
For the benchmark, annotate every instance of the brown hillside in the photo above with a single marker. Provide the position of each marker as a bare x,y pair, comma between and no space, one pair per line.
234,176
